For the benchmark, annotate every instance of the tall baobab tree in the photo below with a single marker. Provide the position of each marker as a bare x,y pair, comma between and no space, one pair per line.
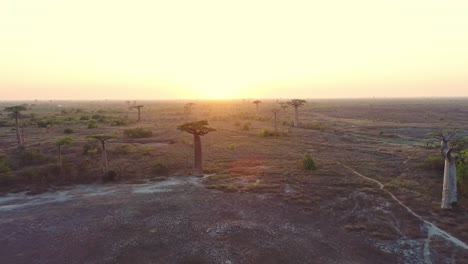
15,111
296,103
275,111
103,139
138,107
257,102
197,129
449,188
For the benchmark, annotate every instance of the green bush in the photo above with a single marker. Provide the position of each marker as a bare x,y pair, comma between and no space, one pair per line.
247,126
91,148
308,162
68,131
92,125
23,157
434,162
266,132
119,123
462,171
159,169
4,167
138,132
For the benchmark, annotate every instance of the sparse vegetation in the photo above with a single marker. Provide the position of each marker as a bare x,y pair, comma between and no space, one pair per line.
138,132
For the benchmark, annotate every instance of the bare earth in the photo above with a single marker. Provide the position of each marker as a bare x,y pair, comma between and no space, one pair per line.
173,221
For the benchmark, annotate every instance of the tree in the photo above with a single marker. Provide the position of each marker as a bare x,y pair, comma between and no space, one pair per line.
296,103
60,142
197,129
447,147
188,110
283,105
275,112
15,111
103,139
138,107
256,102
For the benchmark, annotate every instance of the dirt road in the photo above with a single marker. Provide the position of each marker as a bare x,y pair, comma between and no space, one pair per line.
172,221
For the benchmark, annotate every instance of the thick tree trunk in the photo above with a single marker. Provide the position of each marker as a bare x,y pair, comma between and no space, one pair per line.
449,189
104,159
276,128
296,116
19,138
197,167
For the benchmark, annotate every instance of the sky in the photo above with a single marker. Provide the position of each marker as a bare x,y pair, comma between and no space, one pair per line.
216,49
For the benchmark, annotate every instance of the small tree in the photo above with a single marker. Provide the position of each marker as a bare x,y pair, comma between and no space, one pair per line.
103,139
197,129
256,102
275,111
283,105
296,103
61,142
138,107
15,111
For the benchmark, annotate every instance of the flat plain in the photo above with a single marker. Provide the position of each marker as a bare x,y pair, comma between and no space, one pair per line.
371,199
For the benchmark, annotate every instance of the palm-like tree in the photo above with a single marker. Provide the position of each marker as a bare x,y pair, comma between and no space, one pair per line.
257,102
61,142
138,107
296,103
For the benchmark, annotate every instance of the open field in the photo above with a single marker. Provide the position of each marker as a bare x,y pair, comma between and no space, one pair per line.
369,201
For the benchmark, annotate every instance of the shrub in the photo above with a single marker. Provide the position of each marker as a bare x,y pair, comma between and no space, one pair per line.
92,125
247,126
266,132
119,123
314,126
462,171
44,124
91,148
85,118
4,167
434,162
138,132
232,146
23,157
68,131
308,162
159,169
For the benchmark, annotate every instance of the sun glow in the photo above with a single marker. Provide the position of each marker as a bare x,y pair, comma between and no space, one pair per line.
216,49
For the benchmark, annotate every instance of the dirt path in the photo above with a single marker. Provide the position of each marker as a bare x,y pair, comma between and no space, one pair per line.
173,221
431,228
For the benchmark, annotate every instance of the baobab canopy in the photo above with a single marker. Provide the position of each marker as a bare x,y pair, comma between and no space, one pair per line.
197,128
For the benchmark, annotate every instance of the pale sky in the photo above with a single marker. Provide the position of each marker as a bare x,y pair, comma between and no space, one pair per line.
149,49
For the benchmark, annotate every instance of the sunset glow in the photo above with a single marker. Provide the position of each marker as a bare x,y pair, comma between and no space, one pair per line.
232,49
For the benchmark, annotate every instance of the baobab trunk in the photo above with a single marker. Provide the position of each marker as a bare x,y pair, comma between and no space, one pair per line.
449,189
296,116
197,167
19,137
104,158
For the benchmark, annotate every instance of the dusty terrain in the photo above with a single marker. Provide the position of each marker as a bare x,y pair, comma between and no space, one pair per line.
370,201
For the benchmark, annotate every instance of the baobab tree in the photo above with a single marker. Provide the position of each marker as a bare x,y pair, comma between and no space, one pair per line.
103,139
197,129
138,107
275,111
283,105
447,147
15,111
188,110
256,102
296,103
60,142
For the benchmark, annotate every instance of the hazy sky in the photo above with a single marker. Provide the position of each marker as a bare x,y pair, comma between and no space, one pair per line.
138,49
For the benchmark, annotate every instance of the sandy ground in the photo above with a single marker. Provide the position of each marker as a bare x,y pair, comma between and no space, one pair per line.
172,221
